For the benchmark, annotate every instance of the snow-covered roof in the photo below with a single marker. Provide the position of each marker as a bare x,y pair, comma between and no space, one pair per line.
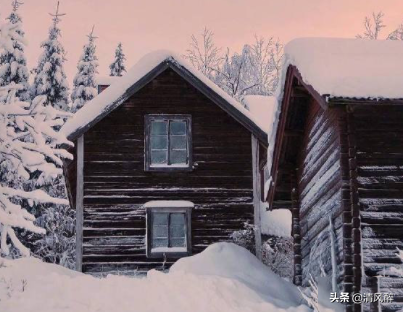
347,68
262,108
139,75
351,68
107,80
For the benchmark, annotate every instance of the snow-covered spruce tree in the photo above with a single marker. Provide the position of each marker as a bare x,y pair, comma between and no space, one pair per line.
13,63
50,79
118,66
29,147
85,86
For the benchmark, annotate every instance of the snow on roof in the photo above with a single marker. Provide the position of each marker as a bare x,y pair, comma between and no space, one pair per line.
262,108
168,203
107,80
353,68
112,95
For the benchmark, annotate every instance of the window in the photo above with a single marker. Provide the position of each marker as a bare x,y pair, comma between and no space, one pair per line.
168,228
167,142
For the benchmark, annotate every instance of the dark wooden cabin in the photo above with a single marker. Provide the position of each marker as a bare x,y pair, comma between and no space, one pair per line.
165,165
337,164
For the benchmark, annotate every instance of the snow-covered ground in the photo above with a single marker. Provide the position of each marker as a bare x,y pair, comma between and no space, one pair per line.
224,278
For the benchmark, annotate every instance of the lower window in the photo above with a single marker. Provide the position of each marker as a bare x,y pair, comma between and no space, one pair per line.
168,228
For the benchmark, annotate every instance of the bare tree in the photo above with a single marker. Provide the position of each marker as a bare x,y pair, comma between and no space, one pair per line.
373,26
265,57
204,54
255,71
397,34
233,75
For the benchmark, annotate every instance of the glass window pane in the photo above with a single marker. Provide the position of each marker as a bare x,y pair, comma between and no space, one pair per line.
159,127
178,142
159,142
160,231
178,127
177,231
160,242
160,218
178,242
178,157
178,219
159,157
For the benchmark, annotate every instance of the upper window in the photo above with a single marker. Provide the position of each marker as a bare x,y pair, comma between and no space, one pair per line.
168,228
168,142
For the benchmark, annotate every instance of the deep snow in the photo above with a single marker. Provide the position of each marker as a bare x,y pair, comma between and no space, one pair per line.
224,278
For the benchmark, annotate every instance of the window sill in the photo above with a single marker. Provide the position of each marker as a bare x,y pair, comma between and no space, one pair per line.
170,253
168,168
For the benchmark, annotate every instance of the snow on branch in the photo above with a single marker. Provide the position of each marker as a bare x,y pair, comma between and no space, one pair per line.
29,146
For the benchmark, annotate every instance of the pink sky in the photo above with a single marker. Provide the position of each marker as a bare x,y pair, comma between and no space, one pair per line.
146,25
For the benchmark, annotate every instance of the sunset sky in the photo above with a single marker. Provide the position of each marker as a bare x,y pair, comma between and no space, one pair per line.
148,25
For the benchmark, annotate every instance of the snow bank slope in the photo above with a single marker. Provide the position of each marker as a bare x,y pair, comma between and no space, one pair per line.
225,278
238,264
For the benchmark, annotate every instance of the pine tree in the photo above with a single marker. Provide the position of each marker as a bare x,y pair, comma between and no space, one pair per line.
118,67
29,147
50,79
13,63
85,86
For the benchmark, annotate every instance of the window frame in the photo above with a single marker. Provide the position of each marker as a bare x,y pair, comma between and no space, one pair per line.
187,211
147,142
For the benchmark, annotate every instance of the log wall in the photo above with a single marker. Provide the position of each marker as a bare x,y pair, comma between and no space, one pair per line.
379,136
319,193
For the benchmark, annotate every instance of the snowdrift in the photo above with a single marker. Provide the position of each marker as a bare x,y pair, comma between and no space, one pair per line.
224,278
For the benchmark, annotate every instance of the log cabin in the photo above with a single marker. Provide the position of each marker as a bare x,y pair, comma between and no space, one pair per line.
165,164
336,161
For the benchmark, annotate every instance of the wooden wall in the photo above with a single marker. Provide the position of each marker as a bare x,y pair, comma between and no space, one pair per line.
116,185
319,193
379,136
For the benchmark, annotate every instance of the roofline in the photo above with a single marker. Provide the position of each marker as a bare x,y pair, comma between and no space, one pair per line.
193,80
326,100
311,90
363,101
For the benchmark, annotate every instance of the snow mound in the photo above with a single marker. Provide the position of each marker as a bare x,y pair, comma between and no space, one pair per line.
32,267
355,68
223,278
236,263
277,222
